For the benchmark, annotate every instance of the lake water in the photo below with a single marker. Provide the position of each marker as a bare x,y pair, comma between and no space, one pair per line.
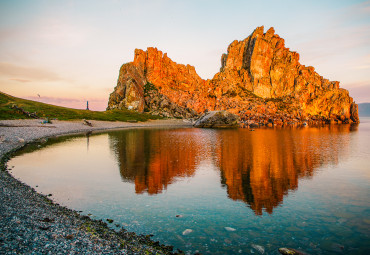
217,191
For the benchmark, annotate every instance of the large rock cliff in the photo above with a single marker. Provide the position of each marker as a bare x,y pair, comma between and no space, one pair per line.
260,80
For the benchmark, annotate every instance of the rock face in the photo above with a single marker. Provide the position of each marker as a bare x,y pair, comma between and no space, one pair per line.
154,83
217,119
260,80
129,92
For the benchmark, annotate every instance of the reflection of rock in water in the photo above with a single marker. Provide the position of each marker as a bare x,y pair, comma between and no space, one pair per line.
258,168
261,167
154,158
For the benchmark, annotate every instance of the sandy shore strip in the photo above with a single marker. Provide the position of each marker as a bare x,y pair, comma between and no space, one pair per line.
32,223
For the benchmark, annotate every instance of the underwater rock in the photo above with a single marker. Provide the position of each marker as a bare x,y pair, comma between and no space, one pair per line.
230,229
187,232
290,251
258,248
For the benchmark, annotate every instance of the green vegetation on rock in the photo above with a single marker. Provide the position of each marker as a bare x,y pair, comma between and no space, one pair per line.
148,87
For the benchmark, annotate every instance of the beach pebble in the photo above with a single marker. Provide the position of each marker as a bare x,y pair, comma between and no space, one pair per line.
56,229
20,140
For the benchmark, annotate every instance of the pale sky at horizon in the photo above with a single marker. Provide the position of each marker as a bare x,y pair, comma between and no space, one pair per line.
71,51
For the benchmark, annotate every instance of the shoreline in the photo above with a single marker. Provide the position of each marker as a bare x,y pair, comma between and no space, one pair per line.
33,223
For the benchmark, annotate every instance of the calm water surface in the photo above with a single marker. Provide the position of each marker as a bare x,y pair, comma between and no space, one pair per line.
235,191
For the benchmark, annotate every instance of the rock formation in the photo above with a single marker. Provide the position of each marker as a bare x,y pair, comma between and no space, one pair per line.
260,80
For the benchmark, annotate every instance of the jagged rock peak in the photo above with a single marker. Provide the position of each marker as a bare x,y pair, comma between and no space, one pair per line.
259,79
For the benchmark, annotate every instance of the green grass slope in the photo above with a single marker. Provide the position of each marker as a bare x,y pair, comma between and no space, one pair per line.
43,110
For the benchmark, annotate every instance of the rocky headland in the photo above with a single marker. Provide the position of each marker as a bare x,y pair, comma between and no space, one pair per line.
260,80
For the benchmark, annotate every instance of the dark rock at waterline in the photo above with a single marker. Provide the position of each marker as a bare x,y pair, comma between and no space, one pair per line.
217,119
253,125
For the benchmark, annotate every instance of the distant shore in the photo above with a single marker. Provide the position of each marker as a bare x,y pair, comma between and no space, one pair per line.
32,223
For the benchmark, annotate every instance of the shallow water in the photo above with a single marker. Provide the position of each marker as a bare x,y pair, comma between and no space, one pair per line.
217,191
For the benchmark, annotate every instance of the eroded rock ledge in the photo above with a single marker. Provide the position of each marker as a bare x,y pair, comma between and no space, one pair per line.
260,80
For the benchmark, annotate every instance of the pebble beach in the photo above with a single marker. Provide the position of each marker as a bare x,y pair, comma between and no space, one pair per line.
31,223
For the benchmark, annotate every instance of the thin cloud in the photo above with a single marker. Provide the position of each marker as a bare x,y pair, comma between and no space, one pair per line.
359,84
360,94
362,63
332,43
64,99
362,67
360,90
360,9
27,74
348,30
20,80
60,32
46,99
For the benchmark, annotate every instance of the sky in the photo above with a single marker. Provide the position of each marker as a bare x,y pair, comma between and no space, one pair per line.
68,52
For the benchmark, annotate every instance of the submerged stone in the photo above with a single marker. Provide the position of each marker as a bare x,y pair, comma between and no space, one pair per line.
230,229
258,248
290,251
187,232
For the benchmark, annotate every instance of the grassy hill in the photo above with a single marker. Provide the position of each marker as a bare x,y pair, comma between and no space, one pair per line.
42,110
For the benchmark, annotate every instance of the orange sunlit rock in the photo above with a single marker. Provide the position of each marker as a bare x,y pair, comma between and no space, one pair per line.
259,79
